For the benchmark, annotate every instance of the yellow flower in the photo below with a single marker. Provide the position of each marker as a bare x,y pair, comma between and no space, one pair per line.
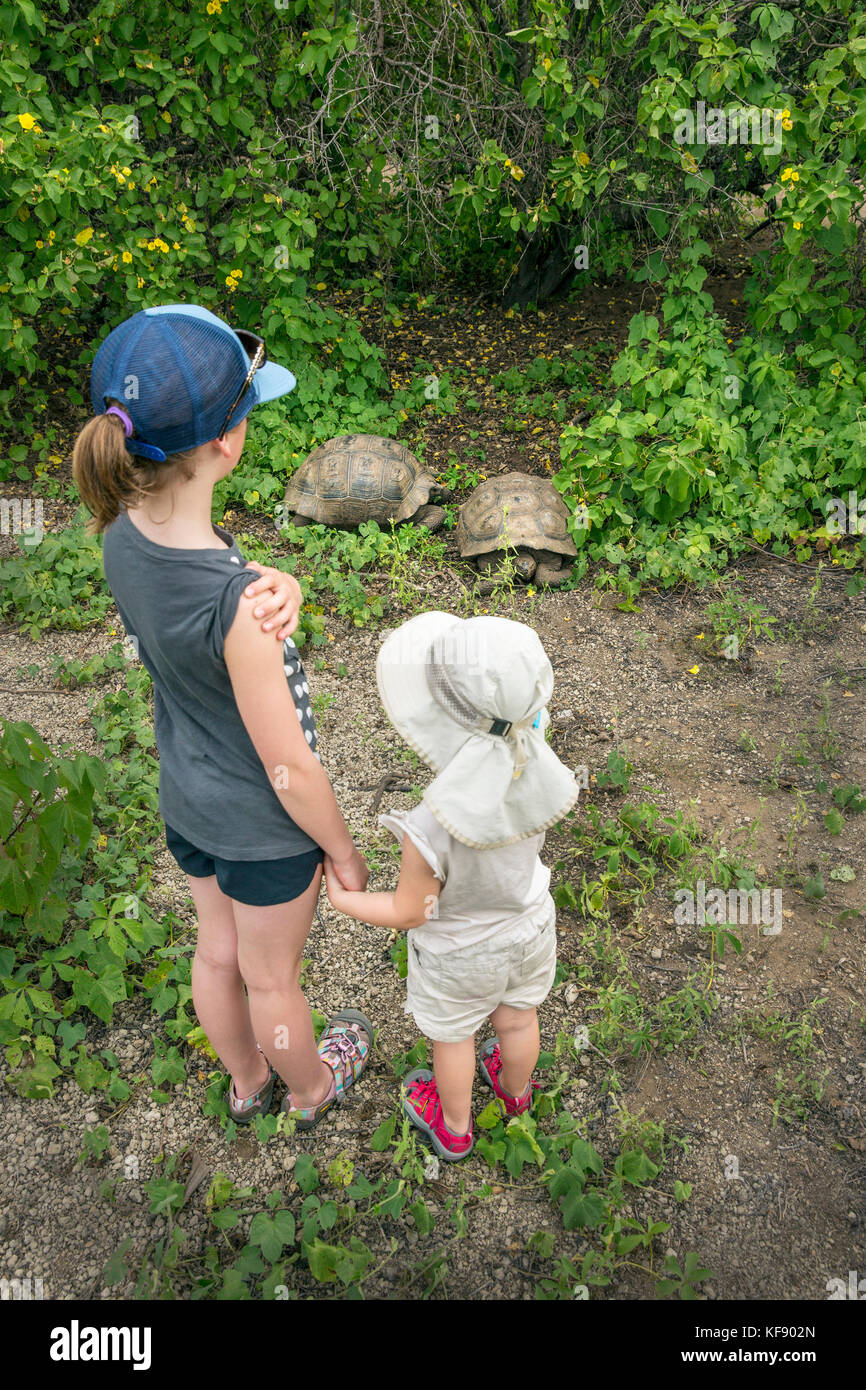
785,114
516,172
140,283
26,121
51,235
126,172
693,670
104,129
546,65
321,285
700,637
593,80
39,245
232,284
175,245
797,226
126,257
83,237
583,159
238,274
787,124
166,116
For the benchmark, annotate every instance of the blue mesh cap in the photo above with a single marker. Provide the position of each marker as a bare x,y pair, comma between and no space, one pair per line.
176,369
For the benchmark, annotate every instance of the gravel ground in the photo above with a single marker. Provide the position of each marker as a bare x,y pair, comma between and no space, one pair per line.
778,1223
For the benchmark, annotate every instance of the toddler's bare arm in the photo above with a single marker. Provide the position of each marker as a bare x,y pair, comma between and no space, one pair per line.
412,903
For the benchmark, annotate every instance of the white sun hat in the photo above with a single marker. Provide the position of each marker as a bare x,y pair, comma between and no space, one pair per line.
469,695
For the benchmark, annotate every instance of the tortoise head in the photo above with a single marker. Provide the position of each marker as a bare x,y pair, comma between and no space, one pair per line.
525,565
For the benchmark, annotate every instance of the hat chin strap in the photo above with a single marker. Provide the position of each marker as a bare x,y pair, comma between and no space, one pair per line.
517,745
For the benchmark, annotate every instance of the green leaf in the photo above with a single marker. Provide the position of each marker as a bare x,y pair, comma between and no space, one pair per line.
225,1220
636,1167
422,1216
305,1173
492,1114
115,1270
272,1234
844,874
814,888
492,1153
582,1209
382,1137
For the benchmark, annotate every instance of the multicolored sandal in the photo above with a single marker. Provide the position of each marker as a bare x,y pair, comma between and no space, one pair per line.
243,1112
345,1045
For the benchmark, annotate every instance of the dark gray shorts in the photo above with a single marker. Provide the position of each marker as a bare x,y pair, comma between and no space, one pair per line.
256,882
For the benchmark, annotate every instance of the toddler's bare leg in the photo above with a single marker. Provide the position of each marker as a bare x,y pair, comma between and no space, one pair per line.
454,1069
519,1046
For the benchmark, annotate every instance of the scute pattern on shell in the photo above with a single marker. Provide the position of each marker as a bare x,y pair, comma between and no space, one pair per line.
359,477
537,517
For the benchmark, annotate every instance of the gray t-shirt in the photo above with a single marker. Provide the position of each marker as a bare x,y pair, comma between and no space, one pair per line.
178,606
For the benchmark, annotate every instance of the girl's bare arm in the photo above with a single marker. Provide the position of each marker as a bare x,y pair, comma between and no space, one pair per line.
255,666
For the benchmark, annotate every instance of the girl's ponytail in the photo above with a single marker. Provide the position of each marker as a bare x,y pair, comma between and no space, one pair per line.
109,478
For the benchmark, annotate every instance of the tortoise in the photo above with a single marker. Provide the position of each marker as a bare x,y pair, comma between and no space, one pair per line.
523,516
362,477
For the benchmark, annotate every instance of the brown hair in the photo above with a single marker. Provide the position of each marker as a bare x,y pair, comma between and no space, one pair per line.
109,478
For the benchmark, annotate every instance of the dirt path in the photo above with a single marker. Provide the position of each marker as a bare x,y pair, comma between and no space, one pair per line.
781,1220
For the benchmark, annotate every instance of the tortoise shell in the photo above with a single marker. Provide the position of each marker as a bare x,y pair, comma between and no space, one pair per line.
511,511
358,477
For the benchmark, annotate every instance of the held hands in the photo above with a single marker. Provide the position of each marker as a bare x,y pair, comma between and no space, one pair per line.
280,599
343,879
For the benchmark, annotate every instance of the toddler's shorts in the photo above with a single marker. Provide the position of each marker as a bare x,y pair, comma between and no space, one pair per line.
451,994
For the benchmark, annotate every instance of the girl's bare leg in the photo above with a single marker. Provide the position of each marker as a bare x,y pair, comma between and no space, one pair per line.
218,994
262,947
270,949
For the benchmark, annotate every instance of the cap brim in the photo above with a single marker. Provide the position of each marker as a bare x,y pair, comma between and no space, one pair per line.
269,383
402,680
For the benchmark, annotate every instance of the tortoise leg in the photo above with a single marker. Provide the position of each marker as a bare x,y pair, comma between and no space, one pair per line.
487,565
552,575
429,516
299,520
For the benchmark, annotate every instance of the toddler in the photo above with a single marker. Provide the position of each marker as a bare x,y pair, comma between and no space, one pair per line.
469,696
